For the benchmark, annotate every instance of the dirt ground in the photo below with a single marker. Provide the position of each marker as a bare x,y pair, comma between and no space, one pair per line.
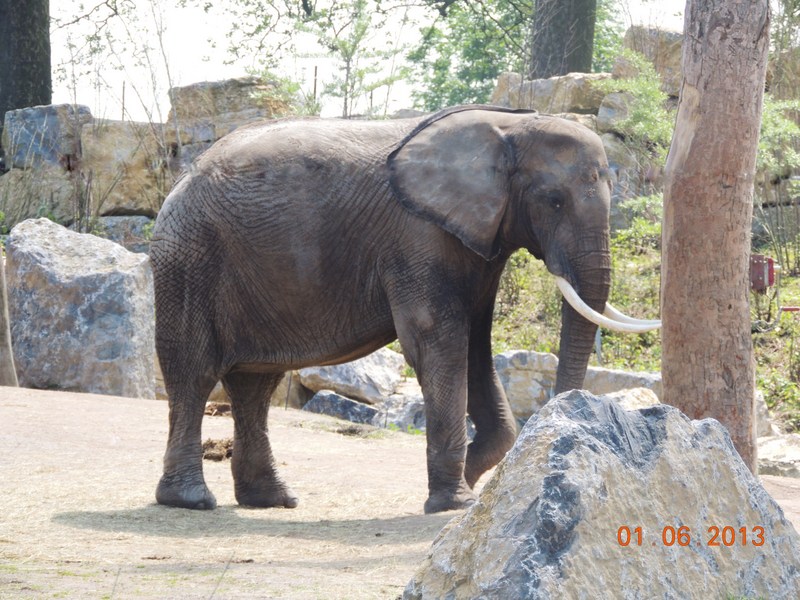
78,474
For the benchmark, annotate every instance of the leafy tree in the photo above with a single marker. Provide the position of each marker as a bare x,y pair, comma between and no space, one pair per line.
462,54
473,41
347,30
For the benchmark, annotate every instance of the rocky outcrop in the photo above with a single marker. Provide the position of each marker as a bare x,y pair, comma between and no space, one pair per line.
638,504
44,135
203,112
368,379
81,312
67,165
661,47
573,93
47,190
125,167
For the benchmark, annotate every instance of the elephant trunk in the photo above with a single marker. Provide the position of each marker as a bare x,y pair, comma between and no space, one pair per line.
593,282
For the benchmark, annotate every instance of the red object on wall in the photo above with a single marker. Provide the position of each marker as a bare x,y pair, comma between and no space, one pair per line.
762,273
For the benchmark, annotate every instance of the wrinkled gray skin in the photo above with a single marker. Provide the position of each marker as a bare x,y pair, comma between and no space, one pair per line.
316,242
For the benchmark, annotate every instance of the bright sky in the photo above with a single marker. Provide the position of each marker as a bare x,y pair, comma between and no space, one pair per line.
194,49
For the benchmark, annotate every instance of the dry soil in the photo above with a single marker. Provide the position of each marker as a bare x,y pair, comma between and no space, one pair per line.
78,473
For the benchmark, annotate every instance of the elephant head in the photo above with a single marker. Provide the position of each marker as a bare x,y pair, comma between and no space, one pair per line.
501,180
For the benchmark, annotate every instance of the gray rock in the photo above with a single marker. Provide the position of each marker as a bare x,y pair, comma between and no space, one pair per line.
613,110
529,379
662,47
604,381
291,392
46,190
124,164
326,402
572,93
403,412
634,399
81,312
44,135
561,516
132,233
764,425
368,379
779,455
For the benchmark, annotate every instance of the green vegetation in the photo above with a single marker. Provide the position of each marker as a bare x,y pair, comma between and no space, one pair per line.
647,126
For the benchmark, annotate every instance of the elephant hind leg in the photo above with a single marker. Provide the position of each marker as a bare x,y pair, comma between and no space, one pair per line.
182,483
255,477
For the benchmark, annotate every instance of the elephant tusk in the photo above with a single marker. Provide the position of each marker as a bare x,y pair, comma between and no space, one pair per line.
613,313
571,296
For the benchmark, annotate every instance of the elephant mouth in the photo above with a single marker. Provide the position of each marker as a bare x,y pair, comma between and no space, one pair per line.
610,319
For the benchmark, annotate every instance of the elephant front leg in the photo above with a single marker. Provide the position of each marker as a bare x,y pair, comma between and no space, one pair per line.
256,481
442,373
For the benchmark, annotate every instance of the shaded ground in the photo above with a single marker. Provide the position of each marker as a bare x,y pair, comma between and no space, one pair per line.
78,473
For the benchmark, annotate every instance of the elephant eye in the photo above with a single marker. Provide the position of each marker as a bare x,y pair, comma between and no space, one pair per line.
555,201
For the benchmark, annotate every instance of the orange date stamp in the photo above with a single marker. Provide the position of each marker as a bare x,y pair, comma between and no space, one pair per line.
683,536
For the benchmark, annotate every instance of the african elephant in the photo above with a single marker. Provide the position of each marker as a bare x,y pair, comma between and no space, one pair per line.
315,242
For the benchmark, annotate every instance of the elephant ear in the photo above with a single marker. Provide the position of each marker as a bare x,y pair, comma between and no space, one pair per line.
453,170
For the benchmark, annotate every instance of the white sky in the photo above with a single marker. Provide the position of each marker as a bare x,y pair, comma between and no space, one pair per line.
191,58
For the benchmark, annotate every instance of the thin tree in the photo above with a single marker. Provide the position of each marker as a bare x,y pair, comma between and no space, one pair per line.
8,373
562,39
707,363
25,78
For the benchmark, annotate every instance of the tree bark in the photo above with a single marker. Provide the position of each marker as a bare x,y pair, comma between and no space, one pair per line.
25,78
562,37
707,363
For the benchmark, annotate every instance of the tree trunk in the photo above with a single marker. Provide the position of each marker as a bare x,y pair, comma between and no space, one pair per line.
24,54
707,363
562,38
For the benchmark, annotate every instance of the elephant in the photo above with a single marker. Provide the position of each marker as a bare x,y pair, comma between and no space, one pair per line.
305,242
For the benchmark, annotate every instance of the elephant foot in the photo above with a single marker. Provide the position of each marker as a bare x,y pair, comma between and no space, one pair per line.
442,501
172,492
266,495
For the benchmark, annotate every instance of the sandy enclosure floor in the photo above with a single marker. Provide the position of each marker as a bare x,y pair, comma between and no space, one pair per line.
78,476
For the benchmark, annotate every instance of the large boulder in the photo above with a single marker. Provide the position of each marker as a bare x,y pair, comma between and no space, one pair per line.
529,378
44,135
662,47
594,499
779,455
572,93
81,311
206,111
368,379
330,403
125,167
44,191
